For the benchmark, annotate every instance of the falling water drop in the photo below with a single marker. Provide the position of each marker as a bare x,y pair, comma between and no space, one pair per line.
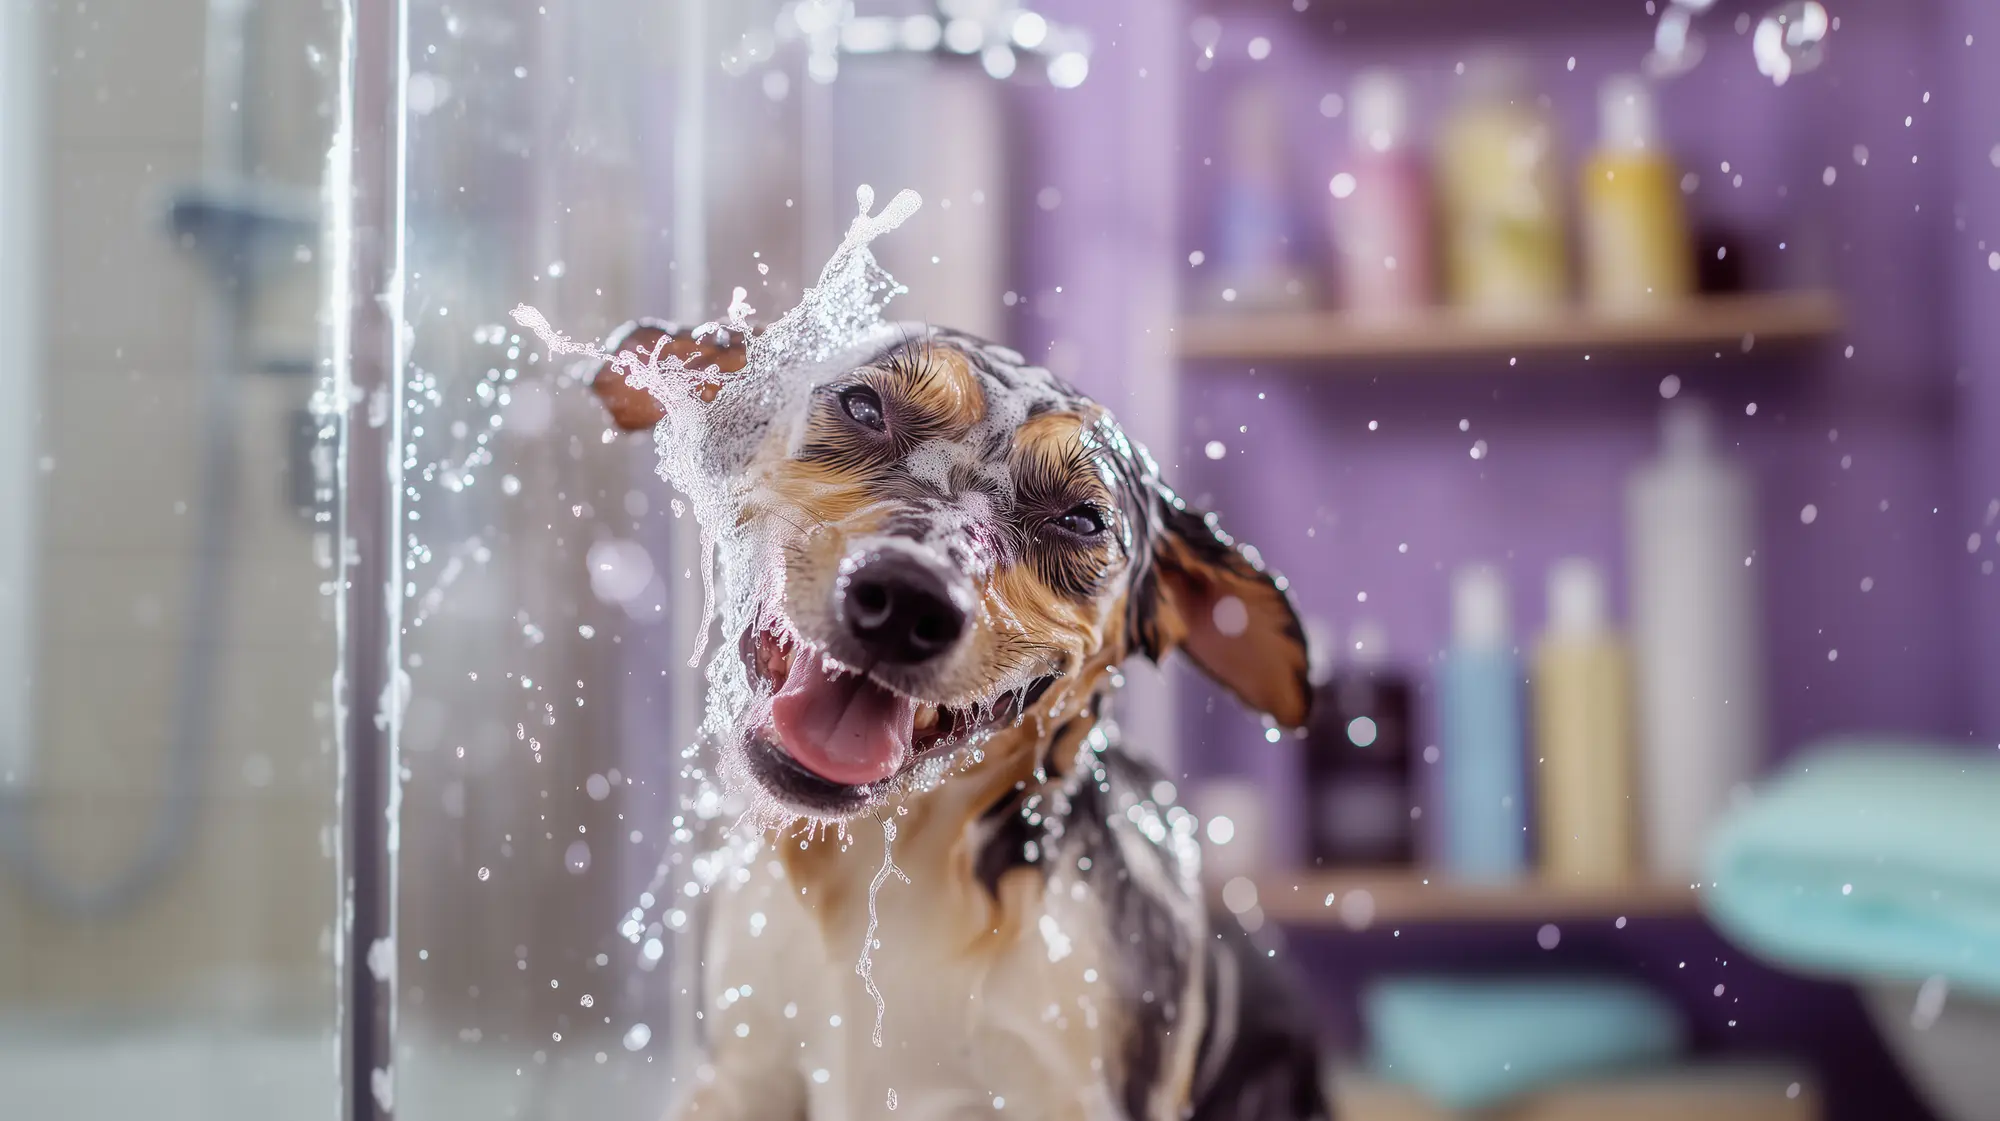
866,965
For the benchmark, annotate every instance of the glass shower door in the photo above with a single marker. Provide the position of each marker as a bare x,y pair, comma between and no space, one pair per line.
540,669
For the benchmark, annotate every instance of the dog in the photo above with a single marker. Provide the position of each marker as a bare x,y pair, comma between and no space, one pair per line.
969,550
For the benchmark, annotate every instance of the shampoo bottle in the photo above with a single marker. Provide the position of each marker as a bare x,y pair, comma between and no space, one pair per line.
1500,191
1694,622
1485,826
1254,268
1583,735
1637,256
1381,205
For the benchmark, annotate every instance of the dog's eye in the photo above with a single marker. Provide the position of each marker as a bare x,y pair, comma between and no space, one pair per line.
863,406
1084,520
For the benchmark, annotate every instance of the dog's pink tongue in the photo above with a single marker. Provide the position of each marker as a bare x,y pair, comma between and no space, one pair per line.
847,730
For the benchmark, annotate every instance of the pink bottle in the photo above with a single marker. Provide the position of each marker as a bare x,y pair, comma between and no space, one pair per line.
1381,206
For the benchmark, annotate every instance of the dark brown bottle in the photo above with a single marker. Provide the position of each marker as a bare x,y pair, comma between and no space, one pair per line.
1357,764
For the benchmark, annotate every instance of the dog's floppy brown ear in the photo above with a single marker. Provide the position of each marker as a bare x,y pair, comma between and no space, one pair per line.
633,408
1215,601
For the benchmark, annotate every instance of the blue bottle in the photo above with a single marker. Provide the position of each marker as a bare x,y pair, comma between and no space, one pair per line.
1483,784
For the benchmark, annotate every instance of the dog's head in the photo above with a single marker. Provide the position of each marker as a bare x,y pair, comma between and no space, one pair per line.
959,545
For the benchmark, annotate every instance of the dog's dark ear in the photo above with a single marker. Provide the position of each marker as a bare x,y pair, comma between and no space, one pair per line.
633,408
1213,599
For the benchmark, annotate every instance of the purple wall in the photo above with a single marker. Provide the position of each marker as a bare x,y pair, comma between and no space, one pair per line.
1971,35
1909,419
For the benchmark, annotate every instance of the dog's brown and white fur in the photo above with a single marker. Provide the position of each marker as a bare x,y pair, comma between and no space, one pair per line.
1049,955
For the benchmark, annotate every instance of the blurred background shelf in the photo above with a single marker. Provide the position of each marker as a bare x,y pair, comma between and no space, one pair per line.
1363,899
1724,322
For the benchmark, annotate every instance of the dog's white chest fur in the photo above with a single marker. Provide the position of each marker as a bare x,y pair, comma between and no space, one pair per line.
991,1008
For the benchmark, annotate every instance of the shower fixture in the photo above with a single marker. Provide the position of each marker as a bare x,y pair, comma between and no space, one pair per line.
998,32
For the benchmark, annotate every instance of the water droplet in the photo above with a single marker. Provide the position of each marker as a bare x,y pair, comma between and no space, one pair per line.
1230,616
1239,895
1068,70
1790,40
1357,909
1930,1002
484,874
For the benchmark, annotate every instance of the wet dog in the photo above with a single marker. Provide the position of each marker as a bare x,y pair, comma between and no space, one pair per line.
969,549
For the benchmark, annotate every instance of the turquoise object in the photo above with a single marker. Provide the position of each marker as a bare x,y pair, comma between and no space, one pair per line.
1471,1043
1869,858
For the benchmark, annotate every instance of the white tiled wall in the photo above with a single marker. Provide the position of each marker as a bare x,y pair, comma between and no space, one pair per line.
234,929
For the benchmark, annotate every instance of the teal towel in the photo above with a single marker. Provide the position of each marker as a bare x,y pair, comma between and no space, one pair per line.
1875,859
1471,1043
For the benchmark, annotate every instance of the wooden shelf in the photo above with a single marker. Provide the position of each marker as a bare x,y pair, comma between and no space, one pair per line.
1731,323
1362,900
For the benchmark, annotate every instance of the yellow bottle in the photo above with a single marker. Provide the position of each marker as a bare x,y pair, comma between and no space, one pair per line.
1637,256
1499,188
1583,736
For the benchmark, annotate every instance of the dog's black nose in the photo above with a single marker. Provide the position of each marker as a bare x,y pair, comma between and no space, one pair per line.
899,609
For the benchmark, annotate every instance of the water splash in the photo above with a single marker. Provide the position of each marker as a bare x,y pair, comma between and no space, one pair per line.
865,967
714,422
707,594
472,549
713,425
